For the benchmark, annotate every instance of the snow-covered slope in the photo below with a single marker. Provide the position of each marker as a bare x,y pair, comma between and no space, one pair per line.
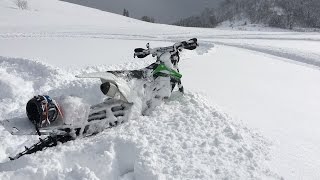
55,14
44,47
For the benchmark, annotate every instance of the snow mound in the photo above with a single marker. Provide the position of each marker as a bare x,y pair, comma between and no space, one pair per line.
184,138
75,111
20,79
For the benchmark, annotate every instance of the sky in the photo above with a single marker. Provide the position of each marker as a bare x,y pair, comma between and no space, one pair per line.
163,11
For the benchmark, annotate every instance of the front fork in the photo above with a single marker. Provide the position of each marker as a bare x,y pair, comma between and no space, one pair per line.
181,89
174,83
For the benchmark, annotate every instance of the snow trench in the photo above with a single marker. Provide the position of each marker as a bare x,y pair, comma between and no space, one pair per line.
184,138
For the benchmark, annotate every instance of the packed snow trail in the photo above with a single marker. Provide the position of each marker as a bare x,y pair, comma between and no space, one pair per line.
295,55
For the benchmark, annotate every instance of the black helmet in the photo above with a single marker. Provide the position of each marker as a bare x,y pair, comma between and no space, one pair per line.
42,110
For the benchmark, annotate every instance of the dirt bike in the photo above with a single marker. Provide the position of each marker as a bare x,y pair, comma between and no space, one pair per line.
48,118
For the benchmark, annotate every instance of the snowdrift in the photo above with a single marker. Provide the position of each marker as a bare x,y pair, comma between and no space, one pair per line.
184,138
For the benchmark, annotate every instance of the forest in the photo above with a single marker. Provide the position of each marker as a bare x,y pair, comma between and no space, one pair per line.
274,13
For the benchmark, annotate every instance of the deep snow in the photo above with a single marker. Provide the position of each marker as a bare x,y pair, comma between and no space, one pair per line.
185,138
264,78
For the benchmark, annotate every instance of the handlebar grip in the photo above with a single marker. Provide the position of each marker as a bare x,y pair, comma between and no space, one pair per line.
141,53
191,44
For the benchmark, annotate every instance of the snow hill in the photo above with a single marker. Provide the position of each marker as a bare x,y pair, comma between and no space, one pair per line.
266,78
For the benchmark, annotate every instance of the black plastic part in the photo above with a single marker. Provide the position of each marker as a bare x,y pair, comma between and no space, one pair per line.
105,87
34,111
191,44
139,50
129,74
141,53
49,141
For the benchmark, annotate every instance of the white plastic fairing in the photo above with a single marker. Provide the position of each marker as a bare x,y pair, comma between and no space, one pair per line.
120,84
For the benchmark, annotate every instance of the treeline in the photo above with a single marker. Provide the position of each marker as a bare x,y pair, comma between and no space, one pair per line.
143,18
208,18
274,13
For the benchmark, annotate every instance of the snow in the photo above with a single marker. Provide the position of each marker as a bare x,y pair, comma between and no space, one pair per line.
301,51
273,91
250,110
75,111
174,142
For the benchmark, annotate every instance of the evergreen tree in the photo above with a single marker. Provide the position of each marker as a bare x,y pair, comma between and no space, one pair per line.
125,13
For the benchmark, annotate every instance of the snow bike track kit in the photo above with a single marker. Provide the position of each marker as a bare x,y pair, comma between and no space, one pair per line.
44,112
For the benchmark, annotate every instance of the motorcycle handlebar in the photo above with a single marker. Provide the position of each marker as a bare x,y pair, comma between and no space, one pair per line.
191,44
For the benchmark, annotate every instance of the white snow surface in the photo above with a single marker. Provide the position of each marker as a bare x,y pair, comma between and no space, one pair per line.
267,78
184,138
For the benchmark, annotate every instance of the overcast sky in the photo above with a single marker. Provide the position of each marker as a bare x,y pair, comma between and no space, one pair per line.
164,11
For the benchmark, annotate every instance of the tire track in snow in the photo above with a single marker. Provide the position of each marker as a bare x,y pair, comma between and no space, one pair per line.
285,37
300,58
75,35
